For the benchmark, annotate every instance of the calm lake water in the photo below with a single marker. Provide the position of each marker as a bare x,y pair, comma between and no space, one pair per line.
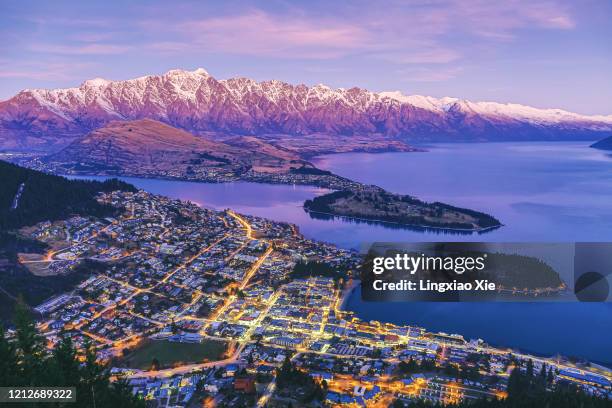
548,192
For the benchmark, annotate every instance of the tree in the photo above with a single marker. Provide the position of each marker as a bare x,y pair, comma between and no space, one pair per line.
530,368
64,361
550,378
27,362
408,367
30,347
155,364
8,361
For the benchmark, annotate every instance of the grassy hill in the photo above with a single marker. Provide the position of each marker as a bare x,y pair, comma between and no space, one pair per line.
150,148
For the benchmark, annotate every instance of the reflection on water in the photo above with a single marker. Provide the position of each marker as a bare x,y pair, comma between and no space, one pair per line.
539,191
571,329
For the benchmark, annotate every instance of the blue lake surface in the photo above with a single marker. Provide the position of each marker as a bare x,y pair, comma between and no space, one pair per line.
542,192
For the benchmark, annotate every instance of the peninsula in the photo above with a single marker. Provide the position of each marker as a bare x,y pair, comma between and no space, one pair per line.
374,204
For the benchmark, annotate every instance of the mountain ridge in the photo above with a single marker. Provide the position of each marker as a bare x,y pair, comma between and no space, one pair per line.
197,102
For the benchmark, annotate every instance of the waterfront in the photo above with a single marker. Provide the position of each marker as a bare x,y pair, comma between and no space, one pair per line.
540,191
572,329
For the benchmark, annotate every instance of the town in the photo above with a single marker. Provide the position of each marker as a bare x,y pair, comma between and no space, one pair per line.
197,307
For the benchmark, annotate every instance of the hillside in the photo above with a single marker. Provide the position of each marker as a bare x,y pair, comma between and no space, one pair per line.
150,148
605,144
143,143
197,102
29,196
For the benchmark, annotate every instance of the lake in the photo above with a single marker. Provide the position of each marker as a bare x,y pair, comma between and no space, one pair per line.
547,192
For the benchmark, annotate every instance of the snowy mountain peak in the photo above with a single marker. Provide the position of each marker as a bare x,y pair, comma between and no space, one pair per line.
96,82
201,71
184,73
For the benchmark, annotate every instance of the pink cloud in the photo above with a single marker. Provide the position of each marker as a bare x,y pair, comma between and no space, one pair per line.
433,55
259,33
402,33
430,74
80,49
502,20
42,71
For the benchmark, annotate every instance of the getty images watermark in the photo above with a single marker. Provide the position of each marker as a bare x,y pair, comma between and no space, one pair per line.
454,271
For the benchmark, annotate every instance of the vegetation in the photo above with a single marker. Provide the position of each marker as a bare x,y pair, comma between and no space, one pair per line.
25,361
46,197
484,220
307,269
168,353
26,198
520,271
18,282
310,170
302,385
411,366
377,205
208,156
323,202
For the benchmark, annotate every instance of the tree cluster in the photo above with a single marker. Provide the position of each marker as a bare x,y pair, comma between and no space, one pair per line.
25,361
288,376
47,197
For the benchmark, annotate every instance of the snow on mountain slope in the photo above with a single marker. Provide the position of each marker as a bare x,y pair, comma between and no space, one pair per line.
494,109
197,102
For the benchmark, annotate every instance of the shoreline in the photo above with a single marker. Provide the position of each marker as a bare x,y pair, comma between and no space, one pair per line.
349,217
600,364
347,293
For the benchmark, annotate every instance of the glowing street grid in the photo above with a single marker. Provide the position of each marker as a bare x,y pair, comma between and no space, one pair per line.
168,270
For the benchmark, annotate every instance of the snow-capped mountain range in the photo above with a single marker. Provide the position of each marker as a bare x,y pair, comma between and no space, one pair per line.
197,102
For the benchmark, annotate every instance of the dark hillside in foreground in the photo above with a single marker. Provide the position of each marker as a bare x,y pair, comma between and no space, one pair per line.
29,196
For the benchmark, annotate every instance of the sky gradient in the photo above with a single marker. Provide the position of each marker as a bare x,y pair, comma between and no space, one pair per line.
544,53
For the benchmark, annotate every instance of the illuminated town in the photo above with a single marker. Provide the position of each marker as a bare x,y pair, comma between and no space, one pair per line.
222,289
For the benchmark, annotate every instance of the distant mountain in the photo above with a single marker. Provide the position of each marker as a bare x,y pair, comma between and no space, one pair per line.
149,147
604,144
29,196
197,102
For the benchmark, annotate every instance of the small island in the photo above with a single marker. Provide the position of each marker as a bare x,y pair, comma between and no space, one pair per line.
371,203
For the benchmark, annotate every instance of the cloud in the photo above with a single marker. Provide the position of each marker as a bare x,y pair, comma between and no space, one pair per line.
429,74
81,49
502,20
41,71
427,56
56,21
263,34
35,75
399,32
